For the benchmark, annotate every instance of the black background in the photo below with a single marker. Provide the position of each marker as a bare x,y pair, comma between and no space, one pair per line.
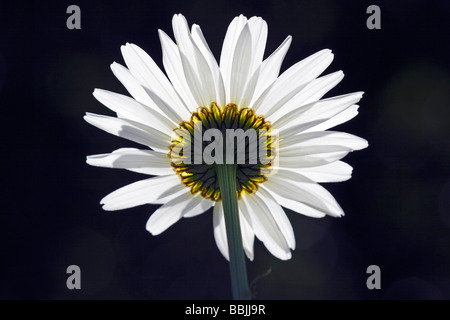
396,204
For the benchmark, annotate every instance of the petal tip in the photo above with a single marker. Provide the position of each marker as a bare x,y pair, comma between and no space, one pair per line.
105,207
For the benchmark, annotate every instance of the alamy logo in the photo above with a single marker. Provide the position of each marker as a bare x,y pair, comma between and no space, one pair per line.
230,146
74,20
374,280
74,280
374,20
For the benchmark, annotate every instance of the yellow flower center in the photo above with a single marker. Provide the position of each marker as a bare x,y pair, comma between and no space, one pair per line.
240,137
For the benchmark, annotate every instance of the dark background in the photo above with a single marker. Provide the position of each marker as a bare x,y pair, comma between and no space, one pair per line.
396,204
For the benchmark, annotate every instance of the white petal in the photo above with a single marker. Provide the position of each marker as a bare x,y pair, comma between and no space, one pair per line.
322,110
143,161
299,128
220,232
228,49
176,114
322,138
270,69
240,68
296,187
174,68
130,130
196,69
311,156
201,205
310,93
248,236
341,117
258,31
333,172
142,192
201,43
279,216
249,90
132,85
153,79
172,211
193,82
168,214
295,205
128,108
293,81
171,193
265,227
254,50
313,150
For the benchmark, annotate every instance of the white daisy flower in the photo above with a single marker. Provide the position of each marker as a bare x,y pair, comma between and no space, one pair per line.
242,91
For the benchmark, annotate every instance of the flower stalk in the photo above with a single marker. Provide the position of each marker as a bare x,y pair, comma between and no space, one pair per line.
226,174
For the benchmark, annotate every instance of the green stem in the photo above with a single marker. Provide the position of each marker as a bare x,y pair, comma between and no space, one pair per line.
226,174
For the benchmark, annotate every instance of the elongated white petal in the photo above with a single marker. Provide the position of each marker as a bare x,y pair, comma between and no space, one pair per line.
152,171
130,130
339,118
333,172
322,138
319,110
143,161
240,67
249,90
174,69
129,158
176,114
311,160
141,192
201,205
296,187
252,55
265,227
248,236
199,39
299,128
293,81
168,214
172,211
228,50
144,95
220,232
270,69
196,69
318,150
310,156
258,30
194,82
279,216
128,108
322,110
133,86
171,193
153,79
296,205
312,92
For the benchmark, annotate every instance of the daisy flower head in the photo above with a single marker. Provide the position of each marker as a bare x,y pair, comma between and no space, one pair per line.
200,114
